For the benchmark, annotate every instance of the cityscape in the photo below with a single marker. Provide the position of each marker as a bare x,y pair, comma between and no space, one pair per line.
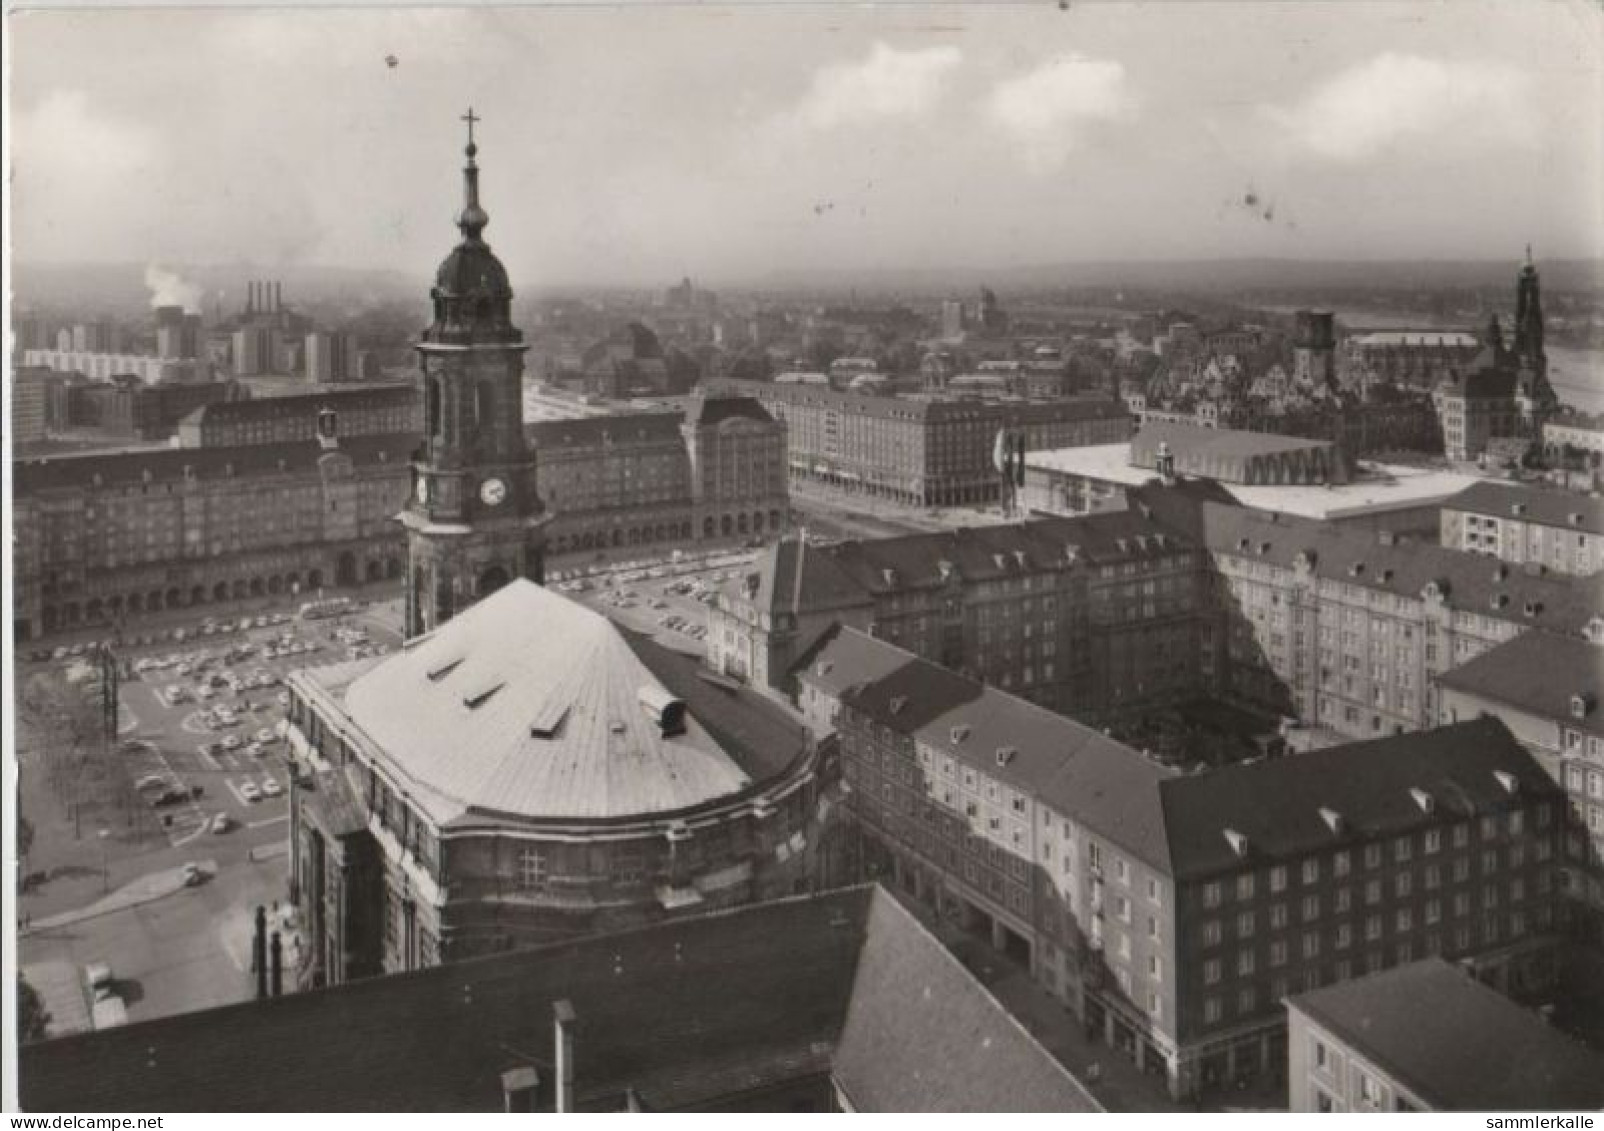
849,559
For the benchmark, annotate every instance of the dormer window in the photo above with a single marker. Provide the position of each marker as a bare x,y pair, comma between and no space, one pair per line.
958,733
1582,704
1507,781
1237,841
1426,802
1006,754
898,702
1356,569
1333,820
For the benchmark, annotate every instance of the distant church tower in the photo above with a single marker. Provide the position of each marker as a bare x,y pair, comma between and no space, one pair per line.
474,520
1535,399
1529,318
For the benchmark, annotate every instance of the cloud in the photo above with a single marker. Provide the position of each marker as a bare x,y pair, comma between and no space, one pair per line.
888,84
1047,111
1401,99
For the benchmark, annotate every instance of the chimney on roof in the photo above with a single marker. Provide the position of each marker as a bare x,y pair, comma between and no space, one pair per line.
518,1086
563,1016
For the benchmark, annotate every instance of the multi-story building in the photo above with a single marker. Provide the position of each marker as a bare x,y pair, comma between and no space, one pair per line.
30,403
1346,628
1174,913
123,408
1555,530
1546,689
373,410
100,538
713,473
1575,432
528,772
1314,349
1099,615
331,357
178,334
1421,1038
922,453
99,366
1413,358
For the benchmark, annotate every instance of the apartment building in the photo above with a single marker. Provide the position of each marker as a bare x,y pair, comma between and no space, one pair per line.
1173,913
1545,688
1554,530
1099,614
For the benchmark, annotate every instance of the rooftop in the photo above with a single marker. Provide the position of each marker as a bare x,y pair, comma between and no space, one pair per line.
1379,488
1449,1039
1279,806
845,983
1109,463
165,465
1079,772
1199,442
1472,583
1541,674
1439,339
1544,506
530,706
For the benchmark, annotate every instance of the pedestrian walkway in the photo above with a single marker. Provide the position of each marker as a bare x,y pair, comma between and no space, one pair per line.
145,889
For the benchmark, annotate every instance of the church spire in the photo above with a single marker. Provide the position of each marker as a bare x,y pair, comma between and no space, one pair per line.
474,218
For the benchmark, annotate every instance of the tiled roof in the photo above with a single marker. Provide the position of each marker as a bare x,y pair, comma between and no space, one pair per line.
834,667
1470,583
1455,1043
682,1013
589,431
528,705
1276,804
1538,673
1535,504
168,464
1077,771
922,1034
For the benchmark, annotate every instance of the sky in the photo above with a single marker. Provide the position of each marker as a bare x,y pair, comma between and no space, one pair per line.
631,144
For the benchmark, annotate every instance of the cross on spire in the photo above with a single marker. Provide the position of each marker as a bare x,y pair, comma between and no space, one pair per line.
470,117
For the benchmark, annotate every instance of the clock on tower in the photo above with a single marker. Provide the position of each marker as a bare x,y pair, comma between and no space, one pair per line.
474,520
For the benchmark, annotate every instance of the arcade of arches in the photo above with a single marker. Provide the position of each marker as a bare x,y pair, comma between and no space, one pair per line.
118,598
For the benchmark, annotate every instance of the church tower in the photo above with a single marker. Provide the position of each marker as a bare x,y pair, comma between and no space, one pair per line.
1529,318
474,520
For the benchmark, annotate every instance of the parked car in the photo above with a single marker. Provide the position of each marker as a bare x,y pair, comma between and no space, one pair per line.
170,797
193,875
250,792
221,823
271,788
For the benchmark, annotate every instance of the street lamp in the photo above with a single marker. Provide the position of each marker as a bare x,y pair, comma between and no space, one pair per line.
105,863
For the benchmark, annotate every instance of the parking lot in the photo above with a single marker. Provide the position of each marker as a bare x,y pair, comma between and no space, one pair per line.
666,599
203,709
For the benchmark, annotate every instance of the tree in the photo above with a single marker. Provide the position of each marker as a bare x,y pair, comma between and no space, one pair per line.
33,1021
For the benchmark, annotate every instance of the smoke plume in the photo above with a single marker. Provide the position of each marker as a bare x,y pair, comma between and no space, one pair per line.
168,288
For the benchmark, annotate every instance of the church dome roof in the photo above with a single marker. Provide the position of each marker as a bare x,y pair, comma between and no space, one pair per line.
472,270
